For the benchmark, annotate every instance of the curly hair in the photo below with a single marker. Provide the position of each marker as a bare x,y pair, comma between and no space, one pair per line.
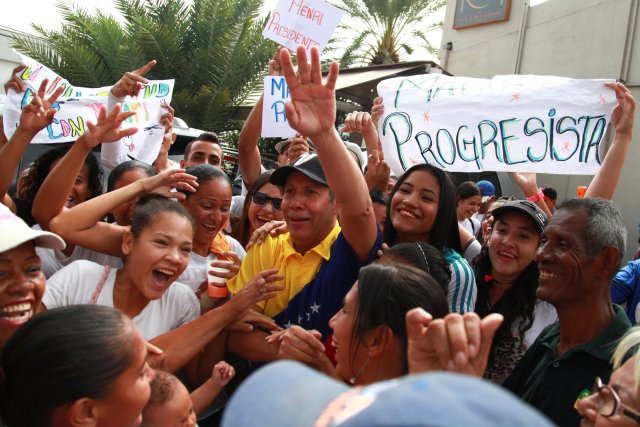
41,167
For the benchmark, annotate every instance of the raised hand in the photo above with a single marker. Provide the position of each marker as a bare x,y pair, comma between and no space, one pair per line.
357,121
107,129
457,343
14,82
312,109
622,116
527,181
378,172
377,111
222,373
39,114
132,81
274,69
164,183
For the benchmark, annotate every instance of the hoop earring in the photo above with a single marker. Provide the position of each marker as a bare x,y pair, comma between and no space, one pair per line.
353,379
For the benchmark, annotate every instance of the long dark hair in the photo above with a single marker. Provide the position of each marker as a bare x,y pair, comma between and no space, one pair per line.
517,303
60,356
386,291
241,228
42,166
445,226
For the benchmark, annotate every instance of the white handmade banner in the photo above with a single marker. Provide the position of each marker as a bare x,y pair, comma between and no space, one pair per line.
302,22
78,105
274,119
509,123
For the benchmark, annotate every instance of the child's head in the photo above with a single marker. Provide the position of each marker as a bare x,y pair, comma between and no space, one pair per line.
169,405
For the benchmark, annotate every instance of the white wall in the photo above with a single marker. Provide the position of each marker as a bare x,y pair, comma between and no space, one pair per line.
8,59
573,38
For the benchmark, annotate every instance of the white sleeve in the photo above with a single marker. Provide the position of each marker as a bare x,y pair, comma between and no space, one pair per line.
471,252
236,247
113,153
62,288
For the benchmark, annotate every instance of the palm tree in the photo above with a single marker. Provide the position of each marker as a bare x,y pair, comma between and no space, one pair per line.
386,29
213,48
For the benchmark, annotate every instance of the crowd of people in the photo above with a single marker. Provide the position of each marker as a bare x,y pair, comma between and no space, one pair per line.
148,303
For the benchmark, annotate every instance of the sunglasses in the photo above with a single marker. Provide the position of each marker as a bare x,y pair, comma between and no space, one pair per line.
260,199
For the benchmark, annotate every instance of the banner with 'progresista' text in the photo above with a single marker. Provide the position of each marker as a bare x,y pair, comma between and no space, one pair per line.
520,123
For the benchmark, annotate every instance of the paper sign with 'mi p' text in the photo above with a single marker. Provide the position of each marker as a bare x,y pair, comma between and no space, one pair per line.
518,123
302,22
274,119
78,105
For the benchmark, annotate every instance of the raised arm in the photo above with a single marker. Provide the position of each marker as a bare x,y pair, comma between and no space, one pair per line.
604,183
34,117
312,112
52,195
185,343
81,225
129,84
527,181
163,162
248,151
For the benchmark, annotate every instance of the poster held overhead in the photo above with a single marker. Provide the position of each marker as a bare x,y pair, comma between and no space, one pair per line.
514,123
79,105
302,22
274,119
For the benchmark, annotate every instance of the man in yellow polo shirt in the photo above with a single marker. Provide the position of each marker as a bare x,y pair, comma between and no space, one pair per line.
318,257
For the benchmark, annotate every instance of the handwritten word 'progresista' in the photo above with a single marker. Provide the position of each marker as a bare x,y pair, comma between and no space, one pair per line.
473,144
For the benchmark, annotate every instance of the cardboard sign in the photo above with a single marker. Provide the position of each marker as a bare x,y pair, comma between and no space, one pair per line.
78,105
302,22
274,120
508,123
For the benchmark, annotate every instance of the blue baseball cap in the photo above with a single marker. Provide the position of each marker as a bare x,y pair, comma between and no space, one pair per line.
486,189
289,394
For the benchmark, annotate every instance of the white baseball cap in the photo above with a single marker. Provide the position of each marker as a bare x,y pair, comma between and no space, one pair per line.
14,232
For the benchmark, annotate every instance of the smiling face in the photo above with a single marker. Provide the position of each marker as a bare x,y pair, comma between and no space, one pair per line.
565,266
130,392
414,207
622,382
512,245
80,190
159,254
209,207
308,210
203,152
22,285
350,355
123,214
259,215
469,207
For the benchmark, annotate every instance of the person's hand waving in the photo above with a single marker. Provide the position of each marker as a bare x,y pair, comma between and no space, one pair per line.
312,109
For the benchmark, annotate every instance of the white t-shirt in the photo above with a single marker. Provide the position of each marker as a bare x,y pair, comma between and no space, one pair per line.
471,224
195,275
53,260
77,282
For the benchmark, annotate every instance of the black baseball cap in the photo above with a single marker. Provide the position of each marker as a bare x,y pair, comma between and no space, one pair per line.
524,206
307,164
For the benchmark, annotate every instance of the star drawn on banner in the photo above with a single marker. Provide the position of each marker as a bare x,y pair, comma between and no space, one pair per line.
515,97
426,116
413,161
565,146
601,100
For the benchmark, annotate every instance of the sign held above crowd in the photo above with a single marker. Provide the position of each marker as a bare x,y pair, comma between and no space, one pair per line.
274,119
79,105
302,22
520,123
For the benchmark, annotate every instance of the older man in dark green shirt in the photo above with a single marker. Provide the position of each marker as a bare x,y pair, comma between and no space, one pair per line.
580,251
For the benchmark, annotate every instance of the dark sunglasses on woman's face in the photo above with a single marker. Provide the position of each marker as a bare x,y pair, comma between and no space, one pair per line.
260,199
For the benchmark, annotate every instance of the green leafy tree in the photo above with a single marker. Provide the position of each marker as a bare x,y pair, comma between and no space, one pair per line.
382,31
213,48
